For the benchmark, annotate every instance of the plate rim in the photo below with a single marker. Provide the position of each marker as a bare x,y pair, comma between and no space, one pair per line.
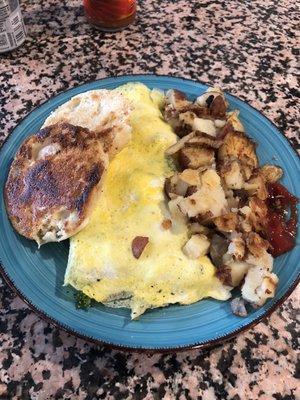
174,349
140,349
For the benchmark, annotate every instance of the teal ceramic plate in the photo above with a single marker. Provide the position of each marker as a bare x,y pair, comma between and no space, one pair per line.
37,275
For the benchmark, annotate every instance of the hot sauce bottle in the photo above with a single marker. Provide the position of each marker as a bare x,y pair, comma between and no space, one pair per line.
110,15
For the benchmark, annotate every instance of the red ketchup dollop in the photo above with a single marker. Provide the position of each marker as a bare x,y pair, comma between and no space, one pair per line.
281,226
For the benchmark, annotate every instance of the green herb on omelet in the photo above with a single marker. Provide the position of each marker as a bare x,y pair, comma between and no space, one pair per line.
171,163
82,301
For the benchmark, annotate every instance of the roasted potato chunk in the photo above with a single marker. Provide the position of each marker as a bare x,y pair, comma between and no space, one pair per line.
187,118
195,123
180,113
190,177
218,107
205,125
218,247
195,227
259,285
177,99
233,120
237,246
196,246
231,172
209,201
227,222
256,244
256,185
179,183
178,219
237,146
203,140
271,173
233,273
174,186
214,100
258,254
255,214
195,157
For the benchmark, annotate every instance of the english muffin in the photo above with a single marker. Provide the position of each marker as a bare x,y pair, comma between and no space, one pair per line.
53,181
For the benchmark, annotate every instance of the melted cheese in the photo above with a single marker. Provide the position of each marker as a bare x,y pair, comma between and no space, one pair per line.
101,263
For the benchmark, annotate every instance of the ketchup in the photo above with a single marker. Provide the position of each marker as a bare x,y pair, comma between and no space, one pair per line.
280,229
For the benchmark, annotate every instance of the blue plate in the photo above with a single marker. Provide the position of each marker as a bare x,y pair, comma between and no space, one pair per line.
37,275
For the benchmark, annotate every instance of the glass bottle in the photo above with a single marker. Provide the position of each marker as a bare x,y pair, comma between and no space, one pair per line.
110,15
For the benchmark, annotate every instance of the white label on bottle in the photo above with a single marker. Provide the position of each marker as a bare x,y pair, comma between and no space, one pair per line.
4,11
12,29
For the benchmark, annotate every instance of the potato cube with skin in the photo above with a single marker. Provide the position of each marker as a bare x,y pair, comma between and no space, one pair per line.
254,215
237,145
190,176
258,254
271,173
208,98
219,123
196,246
257,186
231,171
233,119
256,244
209,201
174,186
236,246
218,107
187,118
195,157
227,222
232,199
259,285
195,227
176,99
201,139
265,260
182,184
204,125
176,215
218,247
232,274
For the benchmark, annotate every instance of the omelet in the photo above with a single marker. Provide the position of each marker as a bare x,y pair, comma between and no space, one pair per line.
132,204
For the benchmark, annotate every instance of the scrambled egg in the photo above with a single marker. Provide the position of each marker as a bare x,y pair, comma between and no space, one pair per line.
101,263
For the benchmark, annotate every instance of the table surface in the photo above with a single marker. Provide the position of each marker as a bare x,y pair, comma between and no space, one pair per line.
249,48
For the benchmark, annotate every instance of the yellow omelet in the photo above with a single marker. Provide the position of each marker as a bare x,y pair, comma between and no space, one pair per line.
101,263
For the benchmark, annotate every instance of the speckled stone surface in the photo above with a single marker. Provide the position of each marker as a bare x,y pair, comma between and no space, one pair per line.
247,47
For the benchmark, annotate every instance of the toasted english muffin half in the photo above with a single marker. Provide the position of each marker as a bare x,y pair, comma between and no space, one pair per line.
53,182
105,112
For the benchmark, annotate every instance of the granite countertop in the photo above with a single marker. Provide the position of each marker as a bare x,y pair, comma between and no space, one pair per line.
247,47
